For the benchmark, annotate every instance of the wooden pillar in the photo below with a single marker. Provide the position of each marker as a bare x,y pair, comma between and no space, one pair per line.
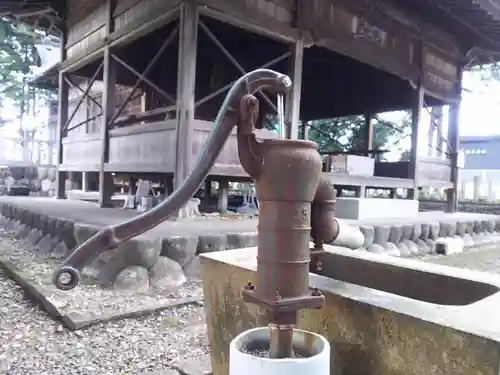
292,107
454,146
108,108
186,82
208,190
132,185
416,112
62,118
170,184
368,133
222,202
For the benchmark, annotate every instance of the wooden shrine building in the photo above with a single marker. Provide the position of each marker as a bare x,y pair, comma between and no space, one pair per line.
152,75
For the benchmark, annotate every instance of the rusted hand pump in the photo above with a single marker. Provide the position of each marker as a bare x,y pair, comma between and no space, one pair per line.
293,199
287,175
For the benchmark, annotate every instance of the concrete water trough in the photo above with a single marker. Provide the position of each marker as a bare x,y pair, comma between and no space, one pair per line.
383,315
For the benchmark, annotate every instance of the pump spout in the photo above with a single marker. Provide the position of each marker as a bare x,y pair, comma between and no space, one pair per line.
324,225
112,236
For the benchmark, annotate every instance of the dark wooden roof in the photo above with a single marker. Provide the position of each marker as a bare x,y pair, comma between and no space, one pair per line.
43,14
475,22
48,79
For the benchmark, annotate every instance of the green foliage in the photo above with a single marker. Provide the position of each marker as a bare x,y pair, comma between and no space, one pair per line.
18,56
348,133
487,73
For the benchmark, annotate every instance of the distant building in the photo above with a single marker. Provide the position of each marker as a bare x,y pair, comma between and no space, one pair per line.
480,177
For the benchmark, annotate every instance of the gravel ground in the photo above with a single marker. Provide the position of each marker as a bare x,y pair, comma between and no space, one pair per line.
33,343
87,299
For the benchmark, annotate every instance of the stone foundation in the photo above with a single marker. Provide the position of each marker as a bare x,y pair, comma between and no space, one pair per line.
143,263
419,238
138,264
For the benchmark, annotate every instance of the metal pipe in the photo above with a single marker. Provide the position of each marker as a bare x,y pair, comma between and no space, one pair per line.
281,116
114,235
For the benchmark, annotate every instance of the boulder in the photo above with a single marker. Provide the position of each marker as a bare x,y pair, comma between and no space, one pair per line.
180,249
166,275
132,279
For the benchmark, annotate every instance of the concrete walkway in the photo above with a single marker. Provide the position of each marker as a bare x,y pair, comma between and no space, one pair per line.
90,213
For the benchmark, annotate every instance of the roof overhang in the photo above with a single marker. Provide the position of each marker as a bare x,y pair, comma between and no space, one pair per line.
41,14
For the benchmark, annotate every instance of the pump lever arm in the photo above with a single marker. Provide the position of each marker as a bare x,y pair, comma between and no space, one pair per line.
112,236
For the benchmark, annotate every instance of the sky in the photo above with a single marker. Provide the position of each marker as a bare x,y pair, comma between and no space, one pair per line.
480,113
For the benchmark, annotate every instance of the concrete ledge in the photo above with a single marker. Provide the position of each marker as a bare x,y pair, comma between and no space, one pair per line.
382,315
375,208
75,321
171,260
414,238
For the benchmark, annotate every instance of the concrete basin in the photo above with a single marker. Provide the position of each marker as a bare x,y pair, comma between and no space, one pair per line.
382,315
376,272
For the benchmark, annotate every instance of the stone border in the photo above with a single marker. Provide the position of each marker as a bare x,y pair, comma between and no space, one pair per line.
73,323
60,236
406,240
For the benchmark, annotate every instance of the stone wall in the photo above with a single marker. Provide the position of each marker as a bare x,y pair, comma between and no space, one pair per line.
144,262
465,206
138,264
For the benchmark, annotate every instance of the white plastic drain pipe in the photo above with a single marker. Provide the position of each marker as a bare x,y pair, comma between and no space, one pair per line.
243,362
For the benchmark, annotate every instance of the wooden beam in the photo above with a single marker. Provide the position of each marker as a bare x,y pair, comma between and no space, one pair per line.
108,107
157,114
292,115
244,17
84,95
62,118
454,147
155,18
186,79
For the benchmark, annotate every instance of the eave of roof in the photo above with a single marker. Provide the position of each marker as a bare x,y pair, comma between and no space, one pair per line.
475,22
42,14
48,79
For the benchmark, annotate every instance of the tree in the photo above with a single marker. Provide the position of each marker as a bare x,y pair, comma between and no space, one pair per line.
18,55
18,58
347,133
